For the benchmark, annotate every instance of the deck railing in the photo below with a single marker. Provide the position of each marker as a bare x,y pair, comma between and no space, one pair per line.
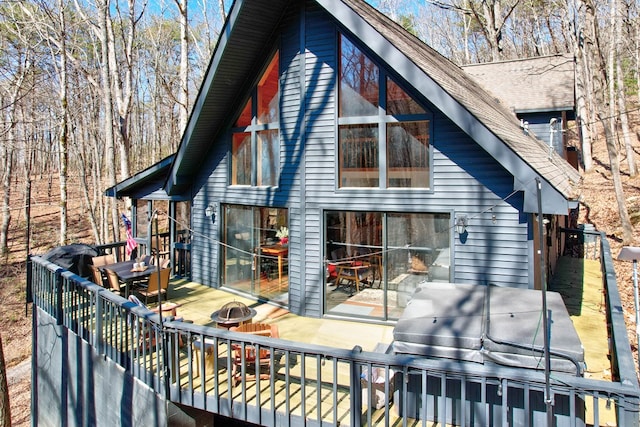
315,385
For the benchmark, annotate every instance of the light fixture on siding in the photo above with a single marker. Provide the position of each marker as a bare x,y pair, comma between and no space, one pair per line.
461,224
210,212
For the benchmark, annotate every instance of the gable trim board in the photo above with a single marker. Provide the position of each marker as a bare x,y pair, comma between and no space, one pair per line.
147,184
555,200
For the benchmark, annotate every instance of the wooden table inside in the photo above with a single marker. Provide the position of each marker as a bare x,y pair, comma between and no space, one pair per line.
276,250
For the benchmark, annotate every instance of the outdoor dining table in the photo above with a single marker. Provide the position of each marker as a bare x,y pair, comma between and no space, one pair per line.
126,273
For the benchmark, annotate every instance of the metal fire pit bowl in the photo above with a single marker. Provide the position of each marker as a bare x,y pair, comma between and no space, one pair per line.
233,313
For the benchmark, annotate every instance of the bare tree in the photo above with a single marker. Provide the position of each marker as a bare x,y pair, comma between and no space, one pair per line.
183,98
601,82
616,49
11,90
63,141
491,17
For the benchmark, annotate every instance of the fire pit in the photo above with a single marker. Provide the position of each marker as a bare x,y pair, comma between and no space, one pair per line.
233,313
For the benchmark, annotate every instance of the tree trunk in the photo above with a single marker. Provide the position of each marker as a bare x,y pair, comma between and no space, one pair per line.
5,408
582,85
7,166
107,100
223,14
64,127
184,65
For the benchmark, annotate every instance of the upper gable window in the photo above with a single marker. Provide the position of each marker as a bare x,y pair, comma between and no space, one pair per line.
383,131
255,147
359,82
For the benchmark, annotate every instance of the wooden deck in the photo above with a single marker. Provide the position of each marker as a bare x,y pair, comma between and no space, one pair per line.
309,379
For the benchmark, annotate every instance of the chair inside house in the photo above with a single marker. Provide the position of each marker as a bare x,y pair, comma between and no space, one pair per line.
336,257
353,275
101,260
158,284
257,361
375,260
114,283
96,275
350,272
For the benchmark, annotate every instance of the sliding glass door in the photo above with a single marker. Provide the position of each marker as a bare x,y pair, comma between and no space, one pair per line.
376,260
255,251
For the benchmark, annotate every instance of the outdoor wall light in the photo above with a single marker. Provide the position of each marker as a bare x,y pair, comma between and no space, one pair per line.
210,212
461,224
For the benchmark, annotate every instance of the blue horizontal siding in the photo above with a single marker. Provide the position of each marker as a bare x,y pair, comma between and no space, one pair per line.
466,180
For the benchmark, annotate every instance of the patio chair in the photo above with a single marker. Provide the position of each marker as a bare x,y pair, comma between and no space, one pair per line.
258,362
96,275
101,260
158,284
148,340
114,282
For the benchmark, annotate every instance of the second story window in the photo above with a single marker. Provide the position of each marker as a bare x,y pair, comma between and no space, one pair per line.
255,147
383,132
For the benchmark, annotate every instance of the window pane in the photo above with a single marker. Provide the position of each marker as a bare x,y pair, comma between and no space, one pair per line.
245,117
353,250
358,156
418,251
359,81
241,159
238,247
268,93
408,154
399,102
268,156
272,277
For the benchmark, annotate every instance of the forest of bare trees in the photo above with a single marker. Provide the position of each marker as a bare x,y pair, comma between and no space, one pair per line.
96,90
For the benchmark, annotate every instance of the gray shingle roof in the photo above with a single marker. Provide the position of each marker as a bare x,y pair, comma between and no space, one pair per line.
545,83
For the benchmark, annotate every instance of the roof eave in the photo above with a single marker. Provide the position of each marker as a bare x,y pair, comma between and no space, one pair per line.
126,187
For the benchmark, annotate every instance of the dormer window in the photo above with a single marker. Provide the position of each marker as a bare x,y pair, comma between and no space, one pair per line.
255,148
383,132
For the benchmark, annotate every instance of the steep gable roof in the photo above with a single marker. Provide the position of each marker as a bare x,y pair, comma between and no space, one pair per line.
446,85
544,83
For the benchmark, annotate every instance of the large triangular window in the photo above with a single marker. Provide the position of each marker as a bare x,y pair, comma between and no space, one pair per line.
383,131
255,147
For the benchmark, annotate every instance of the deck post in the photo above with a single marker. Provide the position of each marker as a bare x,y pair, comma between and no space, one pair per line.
356,390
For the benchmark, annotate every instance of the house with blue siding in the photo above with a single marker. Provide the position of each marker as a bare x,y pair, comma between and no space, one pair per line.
333,162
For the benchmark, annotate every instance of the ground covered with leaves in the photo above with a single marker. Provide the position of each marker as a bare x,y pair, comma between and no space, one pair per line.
598,208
